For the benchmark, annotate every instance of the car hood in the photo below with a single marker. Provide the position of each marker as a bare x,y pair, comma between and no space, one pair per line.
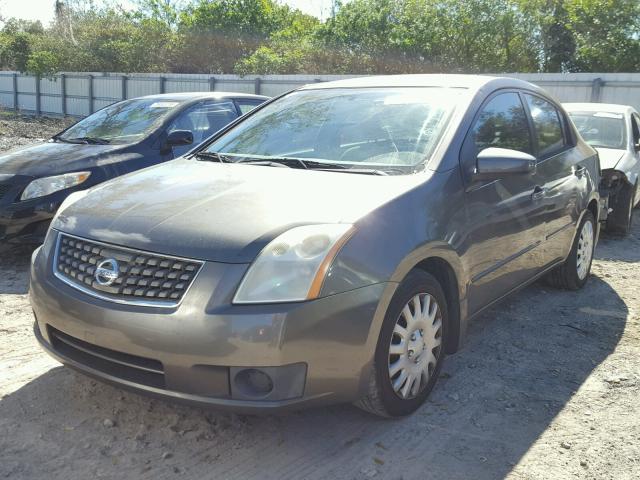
609,157
53,158
222,212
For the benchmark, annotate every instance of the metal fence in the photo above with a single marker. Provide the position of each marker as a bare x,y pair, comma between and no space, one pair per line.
80,94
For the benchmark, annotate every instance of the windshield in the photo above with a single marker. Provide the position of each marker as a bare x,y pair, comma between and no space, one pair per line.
122,122
601,129
368,128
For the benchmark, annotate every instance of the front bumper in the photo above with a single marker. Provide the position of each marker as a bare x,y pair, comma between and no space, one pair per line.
28,221
315,352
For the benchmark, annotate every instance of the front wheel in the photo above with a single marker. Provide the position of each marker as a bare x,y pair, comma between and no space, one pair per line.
574,272
620,219
410,348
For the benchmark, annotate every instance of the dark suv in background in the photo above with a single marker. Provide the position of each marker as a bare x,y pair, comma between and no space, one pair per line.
118,139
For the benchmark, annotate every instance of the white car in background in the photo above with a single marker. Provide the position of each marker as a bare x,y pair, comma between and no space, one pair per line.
614,131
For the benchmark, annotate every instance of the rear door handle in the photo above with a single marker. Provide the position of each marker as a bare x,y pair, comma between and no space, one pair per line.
538,193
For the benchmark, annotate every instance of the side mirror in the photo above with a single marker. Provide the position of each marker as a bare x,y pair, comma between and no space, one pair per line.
497,162
179,138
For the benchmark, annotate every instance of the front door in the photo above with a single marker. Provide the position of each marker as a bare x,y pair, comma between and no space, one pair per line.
505,215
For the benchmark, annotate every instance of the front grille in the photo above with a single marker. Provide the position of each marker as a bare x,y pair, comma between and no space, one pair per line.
142,277
141,370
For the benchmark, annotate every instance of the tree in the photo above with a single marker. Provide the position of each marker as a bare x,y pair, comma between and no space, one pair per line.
607,34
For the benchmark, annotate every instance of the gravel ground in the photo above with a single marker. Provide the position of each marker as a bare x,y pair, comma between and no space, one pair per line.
547,386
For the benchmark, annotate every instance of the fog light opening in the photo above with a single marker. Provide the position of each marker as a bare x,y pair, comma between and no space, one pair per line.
253,383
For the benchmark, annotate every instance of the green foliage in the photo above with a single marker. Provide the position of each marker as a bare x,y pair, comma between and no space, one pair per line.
43,63
365,36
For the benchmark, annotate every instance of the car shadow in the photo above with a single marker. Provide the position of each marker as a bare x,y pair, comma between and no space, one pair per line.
522,363
609,245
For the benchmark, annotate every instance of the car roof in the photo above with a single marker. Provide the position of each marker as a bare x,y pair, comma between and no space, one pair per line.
598,107
185,96
471,82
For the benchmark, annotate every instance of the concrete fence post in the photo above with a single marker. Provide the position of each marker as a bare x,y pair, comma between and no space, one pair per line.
15,92
212,83
257,85
63,93
37,94
124,87
596,89
90,93
162,83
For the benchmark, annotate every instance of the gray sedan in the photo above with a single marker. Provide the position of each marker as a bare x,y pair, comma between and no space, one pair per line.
330,246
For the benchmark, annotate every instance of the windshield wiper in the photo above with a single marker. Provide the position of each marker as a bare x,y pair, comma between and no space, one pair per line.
361,171
89,140
273,161
58,138
212,157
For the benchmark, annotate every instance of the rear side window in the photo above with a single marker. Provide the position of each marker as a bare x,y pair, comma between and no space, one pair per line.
547,126
246,106
503,124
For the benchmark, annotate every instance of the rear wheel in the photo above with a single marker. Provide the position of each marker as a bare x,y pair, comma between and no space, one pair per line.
620,219
574,272
410,348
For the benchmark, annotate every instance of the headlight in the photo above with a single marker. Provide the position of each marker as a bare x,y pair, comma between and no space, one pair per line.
48,185
292,267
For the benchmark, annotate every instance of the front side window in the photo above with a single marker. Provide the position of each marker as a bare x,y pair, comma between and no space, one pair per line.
601,129
203,120
503,124
123,122
547,125
364,128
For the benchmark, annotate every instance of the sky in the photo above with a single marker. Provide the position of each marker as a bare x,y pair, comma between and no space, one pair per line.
43,9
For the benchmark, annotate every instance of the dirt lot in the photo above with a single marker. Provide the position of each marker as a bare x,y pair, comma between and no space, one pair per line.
547,387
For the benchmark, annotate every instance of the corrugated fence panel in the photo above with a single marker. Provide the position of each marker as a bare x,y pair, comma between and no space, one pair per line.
51,104
26,101
139,87
98,104
6,100
77,86
78,107
107,88
173,85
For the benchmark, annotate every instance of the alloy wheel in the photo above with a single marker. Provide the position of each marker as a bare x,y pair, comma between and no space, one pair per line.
585,249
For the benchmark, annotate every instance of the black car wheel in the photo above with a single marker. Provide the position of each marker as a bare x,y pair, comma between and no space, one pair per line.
574,272
410,348
620,220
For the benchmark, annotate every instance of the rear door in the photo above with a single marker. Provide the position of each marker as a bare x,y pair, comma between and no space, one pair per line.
505,218
560,172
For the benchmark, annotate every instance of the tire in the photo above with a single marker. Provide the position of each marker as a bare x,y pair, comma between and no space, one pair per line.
426,333
573,274
620,219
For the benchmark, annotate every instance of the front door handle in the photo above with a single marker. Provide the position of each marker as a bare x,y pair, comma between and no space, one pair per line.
579,171
538,193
